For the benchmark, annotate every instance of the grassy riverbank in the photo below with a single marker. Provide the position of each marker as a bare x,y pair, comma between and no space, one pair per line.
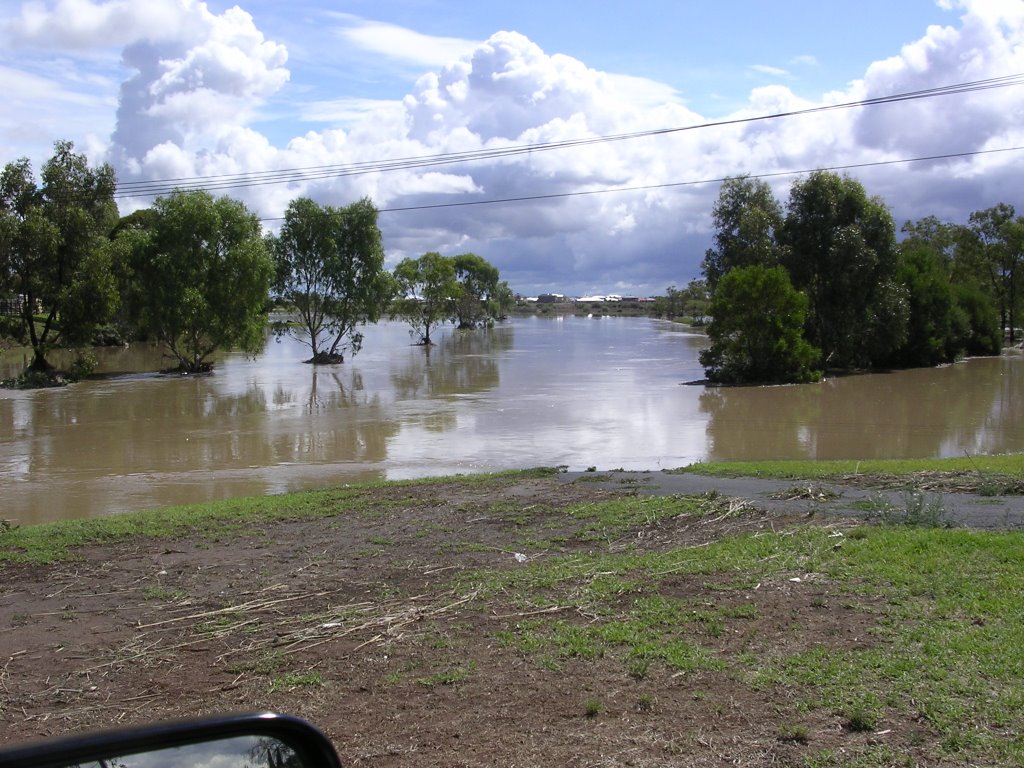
1010,465
523,619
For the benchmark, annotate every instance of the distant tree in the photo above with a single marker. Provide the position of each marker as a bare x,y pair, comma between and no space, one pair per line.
330,268
756,330
54,249
475,305
690,302
999,253
746,218
671,304
839,247
203,273
504,300
427,290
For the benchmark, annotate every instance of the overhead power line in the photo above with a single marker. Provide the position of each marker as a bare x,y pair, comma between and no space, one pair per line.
668,185
157,187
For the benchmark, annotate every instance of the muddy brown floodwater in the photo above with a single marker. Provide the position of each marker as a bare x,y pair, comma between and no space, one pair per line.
580,392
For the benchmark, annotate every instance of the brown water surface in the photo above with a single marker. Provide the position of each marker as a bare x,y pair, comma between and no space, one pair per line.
579,392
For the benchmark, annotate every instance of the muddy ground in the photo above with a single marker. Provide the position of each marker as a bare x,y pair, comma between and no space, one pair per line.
361,623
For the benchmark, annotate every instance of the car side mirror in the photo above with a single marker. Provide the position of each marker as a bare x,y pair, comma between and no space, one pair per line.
264,740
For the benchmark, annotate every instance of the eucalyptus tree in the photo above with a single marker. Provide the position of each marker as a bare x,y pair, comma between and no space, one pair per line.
476,303
839,247
202,272
999,255
330,268
746,218
54,251
427,291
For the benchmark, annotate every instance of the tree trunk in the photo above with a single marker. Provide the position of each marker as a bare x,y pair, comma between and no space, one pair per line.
39,363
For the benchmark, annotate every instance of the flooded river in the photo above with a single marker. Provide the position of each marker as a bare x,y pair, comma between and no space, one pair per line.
579,392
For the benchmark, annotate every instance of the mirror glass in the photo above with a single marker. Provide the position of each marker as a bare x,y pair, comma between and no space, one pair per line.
237,752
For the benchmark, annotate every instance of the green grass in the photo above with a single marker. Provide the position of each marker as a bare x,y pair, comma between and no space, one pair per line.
944,645
947,647
449,676
1011,465
296,680
51,542
611,518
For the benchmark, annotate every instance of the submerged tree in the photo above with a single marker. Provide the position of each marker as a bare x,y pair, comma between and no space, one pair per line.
330,268
427,291
203,274
756,330
476,304
54,249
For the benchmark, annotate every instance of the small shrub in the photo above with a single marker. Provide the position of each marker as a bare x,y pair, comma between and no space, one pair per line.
918,510
592,708
84,365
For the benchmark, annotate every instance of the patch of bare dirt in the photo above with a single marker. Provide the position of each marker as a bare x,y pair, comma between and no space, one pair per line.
360,624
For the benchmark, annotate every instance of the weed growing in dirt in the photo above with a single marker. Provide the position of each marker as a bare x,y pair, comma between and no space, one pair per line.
795,732
592,708
296,680
157,592
609,519
449,676
862,715
918,510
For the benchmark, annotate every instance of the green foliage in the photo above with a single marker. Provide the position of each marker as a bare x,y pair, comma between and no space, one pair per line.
937,329
690,302
434,289
449,676
200,277
945,292
293,680
427,290
746,219
757,321
53,248
839,247
330,267
476,303
998,254
983,335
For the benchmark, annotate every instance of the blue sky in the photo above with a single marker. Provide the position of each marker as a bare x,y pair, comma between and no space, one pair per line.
709,52
179,88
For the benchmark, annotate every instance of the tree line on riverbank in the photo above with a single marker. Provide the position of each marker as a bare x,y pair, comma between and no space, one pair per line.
824,285
198,274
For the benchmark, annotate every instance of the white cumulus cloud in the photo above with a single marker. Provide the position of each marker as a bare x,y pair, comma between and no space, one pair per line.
196,85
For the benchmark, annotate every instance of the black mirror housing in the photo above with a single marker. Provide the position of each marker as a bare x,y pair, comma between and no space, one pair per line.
257,740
